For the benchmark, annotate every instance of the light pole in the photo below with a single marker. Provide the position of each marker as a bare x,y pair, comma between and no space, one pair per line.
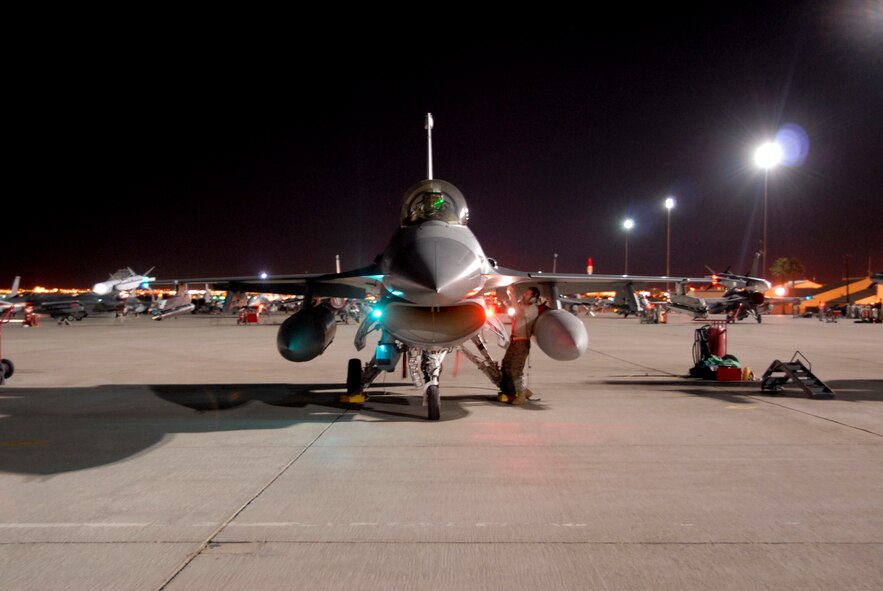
555,263
628,225
669,204
766,156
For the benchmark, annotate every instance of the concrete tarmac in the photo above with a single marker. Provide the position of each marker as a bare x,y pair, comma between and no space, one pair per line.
188,454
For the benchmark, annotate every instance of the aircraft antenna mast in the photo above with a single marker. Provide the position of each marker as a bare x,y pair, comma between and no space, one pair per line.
429,146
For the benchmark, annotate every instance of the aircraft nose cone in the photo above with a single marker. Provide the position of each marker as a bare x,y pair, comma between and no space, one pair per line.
435,271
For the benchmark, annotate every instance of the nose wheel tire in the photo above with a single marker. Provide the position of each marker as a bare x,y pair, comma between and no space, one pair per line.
433,399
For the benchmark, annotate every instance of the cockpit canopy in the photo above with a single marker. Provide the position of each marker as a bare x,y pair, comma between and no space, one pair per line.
434,200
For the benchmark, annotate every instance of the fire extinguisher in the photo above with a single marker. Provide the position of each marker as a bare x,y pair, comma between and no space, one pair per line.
717,340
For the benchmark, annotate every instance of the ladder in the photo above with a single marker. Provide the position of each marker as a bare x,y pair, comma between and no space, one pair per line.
780,372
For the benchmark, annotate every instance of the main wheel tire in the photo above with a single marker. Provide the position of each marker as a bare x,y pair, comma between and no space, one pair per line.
434,400
354,376
7,367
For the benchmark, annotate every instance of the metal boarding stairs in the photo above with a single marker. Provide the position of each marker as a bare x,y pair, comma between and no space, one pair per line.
780,372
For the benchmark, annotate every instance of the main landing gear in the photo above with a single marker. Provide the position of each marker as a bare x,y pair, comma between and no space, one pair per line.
354,393
433,401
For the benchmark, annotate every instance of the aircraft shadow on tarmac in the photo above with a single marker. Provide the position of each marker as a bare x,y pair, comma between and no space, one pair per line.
736,392
46,431
382,404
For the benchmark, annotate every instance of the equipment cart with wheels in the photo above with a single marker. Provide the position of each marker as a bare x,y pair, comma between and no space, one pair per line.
710,358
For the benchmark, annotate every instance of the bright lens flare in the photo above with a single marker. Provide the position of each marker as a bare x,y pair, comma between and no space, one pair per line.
795,144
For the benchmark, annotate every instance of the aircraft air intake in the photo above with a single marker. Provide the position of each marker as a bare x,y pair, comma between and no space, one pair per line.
430,327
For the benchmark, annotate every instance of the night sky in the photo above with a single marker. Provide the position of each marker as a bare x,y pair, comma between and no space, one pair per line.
268,144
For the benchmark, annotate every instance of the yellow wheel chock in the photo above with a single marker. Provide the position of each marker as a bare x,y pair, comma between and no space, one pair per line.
357,398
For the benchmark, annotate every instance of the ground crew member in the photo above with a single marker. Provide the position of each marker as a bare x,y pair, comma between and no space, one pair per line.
31,318
513,385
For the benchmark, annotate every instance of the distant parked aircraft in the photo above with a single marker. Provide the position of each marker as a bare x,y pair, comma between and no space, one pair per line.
743,297
123,280
180,303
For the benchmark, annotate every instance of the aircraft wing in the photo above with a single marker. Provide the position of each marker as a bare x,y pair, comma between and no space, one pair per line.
776,300
581,301
357,283
577,283
354,284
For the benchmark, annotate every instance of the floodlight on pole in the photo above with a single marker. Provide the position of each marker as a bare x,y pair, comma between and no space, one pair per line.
669,205
628,224
766,156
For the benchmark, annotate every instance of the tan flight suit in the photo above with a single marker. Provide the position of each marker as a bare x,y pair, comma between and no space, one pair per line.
513,381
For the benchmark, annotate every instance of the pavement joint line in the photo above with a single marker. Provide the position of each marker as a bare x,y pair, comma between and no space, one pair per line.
549,542
758,399
68,524
456,542
96,542
595,445
611,356
204,544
